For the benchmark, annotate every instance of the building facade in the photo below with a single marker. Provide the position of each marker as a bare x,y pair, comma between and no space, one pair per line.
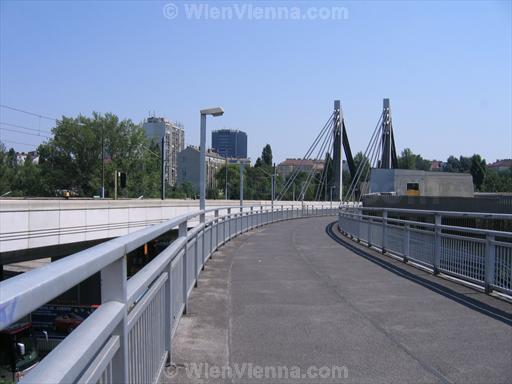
156,128
408,182
188,167
285,168
230,143
501,165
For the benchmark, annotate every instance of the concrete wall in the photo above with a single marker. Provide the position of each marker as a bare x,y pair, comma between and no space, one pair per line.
435,184
41,223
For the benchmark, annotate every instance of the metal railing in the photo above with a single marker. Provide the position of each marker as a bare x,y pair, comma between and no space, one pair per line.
127,339
480,256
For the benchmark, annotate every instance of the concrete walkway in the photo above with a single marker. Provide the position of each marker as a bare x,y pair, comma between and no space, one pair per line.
288,303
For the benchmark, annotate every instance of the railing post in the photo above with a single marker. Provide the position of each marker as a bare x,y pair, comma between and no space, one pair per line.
168,314
384,230
359,224
282,212
216,229
490,263
196,250
229,224
182,233
407,243
251,226
370,223
113,288
211,239
437,244
202,220
261,216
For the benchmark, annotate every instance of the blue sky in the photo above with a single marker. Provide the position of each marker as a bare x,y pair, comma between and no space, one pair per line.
446,66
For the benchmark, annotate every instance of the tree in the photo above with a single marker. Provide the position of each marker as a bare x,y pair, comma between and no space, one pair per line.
233,180
266,155
465,163
477,170
28,180
453,165
6,170
72,159
422,164
407,160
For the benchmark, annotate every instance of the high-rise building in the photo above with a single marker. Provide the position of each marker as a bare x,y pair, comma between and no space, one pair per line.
157,128
230,143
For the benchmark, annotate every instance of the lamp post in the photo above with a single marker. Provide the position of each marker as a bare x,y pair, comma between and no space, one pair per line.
226,177
102,161
202,153
241,186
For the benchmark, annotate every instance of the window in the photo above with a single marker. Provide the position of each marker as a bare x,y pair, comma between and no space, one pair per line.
413,186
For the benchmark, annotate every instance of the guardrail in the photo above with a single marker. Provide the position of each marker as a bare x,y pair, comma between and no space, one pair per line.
479,256
128,338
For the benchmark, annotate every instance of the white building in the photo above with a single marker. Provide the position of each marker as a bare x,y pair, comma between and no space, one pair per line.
156,128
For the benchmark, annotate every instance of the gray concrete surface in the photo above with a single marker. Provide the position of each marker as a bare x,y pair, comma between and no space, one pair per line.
289,297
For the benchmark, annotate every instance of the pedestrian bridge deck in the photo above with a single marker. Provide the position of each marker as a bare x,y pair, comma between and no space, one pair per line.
289,295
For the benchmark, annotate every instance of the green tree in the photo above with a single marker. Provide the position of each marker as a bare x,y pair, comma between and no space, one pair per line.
266,155
465,163
477,170
6,170
72,159
453,165
407,159
28,181
233,180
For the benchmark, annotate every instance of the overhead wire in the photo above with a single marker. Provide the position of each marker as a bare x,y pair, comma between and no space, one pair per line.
296,171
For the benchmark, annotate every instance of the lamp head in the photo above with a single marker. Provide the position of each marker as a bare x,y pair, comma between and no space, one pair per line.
217,111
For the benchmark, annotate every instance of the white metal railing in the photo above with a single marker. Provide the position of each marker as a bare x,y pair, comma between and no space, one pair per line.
479,256
128,338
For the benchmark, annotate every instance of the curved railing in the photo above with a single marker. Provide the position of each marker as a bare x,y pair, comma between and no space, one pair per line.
479,256
128,338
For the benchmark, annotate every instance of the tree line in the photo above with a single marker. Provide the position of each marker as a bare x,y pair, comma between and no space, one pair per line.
485,179
85,151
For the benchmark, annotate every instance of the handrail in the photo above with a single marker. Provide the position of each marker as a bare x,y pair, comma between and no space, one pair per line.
442,226
157,294
66,363
500,216
470,254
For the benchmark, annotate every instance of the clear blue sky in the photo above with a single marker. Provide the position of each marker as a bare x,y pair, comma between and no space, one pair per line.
446,66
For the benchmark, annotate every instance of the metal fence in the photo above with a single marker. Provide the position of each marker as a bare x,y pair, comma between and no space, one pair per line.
128,338
479,256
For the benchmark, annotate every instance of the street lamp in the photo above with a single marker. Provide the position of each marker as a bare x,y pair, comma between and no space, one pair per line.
202,153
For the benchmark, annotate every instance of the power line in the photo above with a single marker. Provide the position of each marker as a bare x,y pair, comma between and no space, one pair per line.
23,127
28,112
23,133
18,143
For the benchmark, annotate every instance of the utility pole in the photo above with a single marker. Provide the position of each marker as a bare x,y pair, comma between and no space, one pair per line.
102,161
241,185
162,170
226,186
273,185
115,184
